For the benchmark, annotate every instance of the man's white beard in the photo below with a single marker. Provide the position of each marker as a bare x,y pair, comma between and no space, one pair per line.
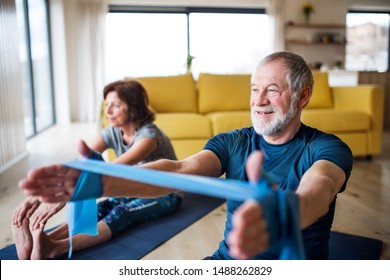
277,123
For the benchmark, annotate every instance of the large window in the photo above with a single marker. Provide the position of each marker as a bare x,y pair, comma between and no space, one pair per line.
157,42
367,41
35,59
145,44
228,43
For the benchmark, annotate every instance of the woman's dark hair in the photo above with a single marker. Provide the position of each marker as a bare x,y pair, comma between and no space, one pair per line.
134,95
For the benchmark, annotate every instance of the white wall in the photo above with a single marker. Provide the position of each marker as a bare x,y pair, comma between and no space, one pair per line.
326,9
193,3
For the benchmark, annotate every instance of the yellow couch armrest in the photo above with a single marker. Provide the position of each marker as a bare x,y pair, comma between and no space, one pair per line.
369,99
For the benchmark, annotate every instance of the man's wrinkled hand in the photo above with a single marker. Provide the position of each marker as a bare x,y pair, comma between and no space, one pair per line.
53,183
249,236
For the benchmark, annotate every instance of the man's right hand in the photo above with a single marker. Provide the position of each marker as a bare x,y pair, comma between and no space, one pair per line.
53,183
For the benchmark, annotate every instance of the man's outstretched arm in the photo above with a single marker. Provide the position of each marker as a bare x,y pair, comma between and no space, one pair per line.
56,182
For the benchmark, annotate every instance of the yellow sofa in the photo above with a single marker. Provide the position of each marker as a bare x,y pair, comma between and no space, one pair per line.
191,112
354,114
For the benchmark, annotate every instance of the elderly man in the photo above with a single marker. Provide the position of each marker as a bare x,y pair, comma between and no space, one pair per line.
313,164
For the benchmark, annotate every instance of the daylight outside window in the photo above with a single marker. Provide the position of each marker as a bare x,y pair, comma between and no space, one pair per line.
145,44
367,42
157,44
35,61
228,43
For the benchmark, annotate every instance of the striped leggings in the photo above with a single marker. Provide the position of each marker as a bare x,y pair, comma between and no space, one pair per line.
120,213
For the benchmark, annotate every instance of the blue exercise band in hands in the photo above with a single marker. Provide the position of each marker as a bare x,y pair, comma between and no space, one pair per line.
81,212
280,208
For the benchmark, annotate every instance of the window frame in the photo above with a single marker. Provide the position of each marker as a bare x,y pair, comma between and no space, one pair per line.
30,66
187,10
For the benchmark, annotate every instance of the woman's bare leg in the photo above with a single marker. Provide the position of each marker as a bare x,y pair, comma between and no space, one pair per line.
60,232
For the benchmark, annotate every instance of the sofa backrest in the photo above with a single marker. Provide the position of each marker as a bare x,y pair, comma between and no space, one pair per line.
171,94
219,92
322,93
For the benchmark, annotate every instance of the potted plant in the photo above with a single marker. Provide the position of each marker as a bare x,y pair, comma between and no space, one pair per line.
307,9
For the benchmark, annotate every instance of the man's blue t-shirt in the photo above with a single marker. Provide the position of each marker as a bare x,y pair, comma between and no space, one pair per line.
285,163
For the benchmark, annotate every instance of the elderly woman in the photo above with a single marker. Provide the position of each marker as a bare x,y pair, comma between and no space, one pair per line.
135,139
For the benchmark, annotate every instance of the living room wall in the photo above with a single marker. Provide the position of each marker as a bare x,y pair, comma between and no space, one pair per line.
326,10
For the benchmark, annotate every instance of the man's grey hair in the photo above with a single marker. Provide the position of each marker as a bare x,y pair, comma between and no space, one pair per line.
298,76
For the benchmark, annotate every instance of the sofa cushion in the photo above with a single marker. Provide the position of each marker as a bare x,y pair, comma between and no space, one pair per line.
331,120
322,93
188,147
184,125
171,93
226,121
223,92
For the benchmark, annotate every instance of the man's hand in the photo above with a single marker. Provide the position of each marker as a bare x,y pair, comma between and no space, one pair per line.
249,235
53,183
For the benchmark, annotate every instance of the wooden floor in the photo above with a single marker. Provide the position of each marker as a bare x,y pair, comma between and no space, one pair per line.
363,209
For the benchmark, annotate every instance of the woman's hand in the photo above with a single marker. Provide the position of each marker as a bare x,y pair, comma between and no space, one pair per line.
44,212
24,210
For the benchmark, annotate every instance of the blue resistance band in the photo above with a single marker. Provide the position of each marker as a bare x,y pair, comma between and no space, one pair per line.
81,210
280,208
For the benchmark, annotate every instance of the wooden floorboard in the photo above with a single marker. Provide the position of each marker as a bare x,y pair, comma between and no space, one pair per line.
363,209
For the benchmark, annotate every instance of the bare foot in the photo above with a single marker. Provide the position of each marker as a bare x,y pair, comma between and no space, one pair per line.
42,244
23,239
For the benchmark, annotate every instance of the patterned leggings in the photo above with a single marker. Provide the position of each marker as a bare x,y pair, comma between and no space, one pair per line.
120,213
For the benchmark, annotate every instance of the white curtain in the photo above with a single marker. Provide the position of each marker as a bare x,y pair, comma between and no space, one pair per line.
12,137
85,33
276,12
